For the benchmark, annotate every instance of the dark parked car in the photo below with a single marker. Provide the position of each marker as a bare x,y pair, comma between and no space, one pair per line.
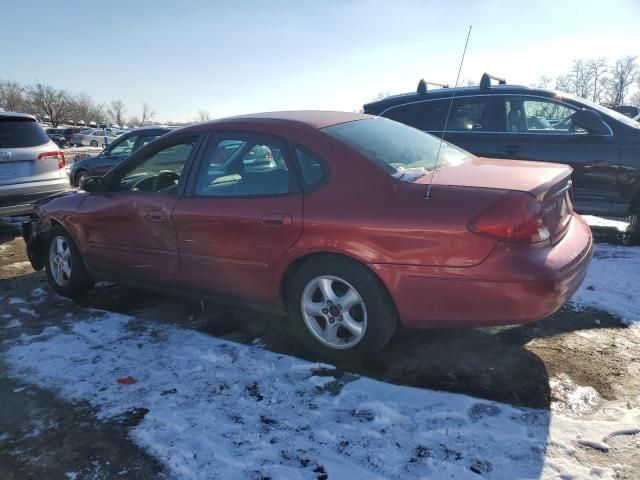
115,153
509,121
324,213
57,137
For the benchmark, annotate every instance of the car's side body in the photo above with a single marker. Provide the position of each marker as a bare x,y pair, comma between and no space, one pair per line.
606,165
246,248
115,153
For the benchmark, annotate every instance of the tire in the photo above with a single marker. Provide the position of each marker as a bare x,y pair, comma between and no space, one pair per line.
342,328
80,177
93,143
74,280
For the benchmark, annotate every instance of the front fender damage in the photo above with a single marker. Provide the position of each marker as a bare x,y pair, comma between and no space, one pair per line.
35,233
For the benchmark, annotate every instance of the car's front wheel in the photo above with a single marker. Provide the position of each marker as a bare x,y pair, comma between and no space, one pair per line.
93,143
65,269
81,176
340,309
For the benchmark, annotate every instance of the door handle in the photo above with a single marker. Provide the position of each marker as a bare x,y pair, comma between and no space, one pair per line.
511,149
155,216
276,220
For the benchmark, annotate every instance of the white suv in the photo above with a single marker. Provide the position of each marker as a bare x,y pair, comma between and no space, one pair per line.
31,165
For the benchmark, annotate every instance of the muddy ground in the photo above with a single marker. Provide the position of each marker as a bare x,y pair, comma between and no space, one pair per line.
44,437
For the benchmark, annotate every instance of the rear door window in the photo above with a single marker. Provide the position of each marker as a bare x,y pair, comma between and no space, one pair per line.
21,134
428,115
244,165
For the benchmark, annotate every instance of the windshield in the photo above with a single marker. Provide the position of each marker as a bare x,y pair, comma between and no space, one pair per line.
607,111
405,152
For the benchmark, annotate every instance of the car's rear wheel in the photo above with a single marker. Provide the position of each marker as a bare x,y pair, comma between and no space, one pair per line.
93,143
65,269
340,309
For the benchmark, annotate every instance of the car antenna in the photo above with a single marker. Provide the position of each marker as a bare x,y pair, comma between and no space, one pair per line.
446,122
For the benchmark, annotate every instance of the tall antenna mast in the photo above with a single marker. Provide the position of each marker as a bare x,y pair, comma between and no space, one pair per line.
446,122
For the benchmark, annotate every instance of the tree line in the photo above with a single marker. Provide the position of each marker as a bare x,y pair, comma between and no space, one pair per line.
60,106
599,80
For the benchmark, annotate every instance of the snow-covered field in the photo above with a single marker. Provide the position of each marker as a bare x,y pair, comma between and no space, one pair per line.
211,408
613,283
217,409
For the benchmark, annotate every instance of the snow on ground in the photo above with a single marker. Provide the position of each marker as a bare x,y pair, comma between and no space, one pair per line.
216,409
613,282
607,223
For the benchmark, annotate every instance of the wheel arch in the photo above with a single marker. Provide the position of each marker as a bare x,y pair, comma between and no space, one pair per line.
299,261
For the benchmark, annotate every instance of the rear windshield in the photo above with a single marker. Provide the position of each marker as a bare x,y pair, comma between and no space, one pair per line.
21,133
404,152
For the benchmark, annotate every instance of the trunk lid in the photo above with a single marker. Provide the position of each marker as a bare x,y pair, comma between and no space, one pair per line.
550,183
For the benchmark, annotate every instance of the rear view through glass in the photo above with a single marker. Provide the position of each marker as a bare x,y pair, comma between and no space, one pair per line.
18,133
396,147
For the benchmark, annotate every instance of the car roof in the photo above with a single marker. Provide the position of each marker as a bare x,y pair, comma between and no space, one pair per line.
311,118
391,101
22,116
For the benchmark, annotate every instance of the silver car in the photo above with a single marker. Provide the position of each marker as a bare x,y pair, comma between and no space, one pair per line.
92,137
31,165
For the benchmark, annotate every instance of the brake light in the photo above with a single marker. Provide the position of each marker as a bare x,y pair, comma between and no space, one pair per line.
515,217
59,155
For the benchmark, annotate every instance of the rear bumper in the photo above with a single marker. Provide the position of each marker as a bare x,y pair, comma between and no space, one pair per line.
516,284
19,198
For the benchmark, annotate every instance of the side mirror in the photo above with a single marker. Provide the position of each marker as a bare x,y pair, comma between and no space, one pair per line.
93,185
590,120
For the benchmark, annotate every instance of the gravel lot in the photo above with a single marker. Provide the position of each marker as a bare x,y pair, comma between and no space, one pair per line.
578,368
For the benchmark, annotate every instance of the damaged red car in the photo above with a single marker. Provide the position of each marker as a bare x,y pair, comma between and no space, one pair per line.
350,223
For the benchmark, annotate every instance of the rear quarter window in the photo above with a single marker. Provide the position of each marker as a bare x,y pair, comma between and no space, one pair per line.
21,134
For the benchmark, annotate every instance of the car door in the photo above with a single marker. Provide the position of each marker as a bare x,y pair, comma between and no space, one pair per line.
113,155
472,125
241,213
128,229
541,129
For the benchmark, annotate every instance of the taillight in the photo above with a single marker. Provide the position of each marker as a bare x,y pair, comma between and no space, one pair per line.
515,217
59,155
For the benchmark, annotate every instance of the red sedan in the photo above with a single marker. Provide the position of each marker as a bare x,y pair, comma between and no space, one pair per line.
326,215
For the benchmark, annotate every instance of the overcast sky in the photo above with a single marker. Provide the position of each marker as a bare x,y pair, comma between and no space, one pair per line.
249,56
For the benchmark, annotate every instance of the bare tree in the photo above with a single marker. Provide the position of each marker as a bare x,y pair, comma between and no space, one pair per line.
564,83
203,116
381,96
598,68
622,76
135,121
12,96
543,82
116,111
582,78
147,114
47,101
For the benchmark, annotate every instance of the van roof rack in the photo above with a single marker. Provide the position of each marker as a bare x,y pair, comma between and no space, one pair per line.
485,81
422,85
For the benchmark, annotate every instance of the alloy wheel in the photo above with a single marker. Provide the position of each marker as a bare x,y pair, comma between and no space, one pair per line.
60,260
334,312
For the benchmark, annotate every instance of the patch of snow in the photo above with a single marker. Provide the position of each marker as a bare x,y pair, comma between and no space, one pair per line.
15,323
216,409
572,399
601,222
410,174
612,283
16,301
38,292
28,311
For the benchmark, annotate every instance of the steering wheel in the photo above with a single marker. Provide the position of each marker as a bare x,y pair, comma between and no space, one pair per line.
166,176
